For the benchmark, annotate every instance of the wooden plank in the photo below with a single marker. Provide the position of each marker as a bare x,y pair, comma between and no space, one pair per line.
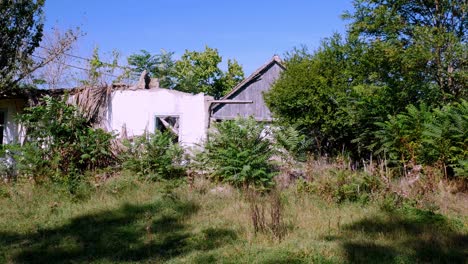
232,101
168,126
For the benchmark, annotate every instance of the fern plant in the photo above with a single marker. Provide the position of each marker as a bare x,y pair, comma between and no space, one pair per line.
291,144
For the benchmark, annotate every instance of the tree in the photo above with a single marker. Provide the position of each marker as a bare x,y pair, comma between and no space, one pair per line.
199,72
430,36
159,66
415,52
21,33
98,71
58,73
21,30
314,95
396,53
194,72
229,79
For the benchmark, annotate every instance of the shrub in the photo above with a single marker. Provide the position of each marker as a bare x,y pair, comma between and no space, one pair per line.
401,136
355,187
423,136
154,156
238,152
60,143
445,139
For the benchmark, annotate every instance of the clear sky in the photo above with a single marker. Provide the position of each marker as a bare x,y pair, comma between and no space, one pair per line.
251,31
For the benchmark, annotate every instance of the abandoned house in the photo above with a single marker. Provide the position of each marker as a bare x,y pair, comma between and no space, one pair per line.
133,110
145,107
249,94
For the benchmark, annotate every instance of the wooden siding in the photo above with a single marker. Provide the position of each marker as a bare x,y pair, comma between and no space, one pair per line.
252,90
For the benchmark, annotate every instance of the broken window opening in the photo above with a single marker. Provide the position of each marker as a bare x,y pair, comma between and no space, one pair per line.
168,123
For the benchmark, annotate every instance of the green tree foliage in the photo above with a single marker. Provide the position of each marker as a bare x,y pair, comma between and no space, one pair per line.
314,94
60,143
195,72
397,53
238,152
21,30
154,156
229,79
98,71
199,72
159,66
430,37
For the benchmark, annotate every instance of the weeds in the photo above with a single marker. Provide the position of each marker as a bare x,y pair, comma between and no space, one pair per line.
257,211
263,205
342,185
277,225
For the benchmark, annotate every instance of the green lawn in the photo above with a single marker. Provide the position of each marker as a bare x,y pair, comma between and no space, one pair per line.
124,220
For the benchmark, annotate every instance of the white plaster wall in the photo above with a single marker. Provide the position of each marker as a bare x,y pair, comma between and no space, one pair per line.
13,132
137,109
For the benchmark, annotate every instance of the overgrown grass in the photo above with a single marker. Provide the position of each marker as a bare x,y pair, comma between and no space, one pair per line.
126,220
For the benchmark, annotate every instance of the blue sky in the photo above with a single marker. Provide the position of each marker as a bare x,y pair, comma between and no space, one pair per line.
249,31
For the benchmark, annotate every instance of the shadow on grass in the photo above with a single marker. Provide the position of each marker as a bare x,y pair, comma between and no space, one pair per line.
407,236
150,232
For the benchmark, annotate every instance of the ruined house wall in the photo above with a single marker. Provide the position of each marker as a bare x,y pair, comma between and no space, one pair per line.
136,110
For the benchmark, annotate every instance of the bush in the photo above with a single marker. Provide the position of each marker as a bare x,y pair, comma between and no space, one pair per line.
154,156
60,144
400,138
238,152
355,187
445,139
423,136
